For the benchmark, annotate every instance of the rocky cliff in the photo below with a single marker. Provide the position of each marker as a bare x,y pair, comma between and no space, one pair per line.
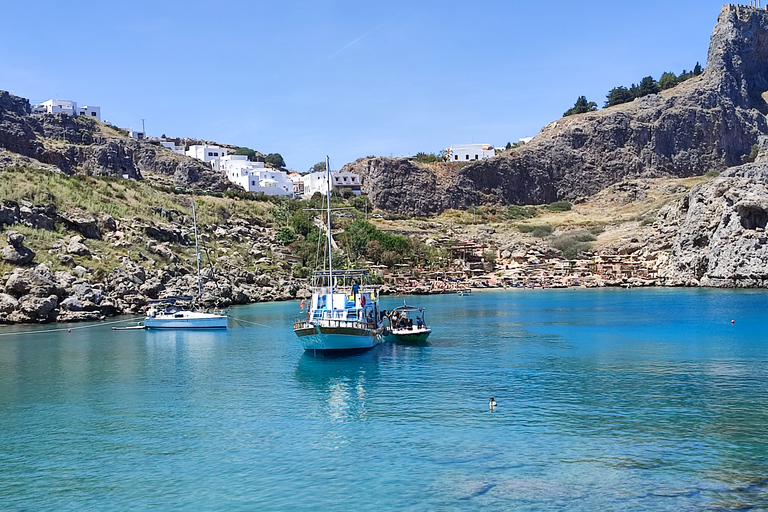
707,123
79,144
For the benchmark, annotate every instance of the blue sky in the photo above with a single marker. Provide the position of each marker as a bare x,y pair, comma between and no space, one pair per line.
342,78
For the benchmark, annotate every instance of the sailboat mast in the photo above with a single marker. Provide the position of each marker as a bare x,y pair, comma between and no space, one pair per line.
197,254
330,240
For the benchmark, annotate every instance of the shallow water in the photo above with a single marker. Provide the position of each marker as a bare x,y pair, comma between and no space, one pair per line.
646,399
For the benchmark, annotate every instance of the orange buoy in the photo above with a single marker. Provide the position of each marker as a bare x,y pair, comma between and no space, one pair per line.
733,321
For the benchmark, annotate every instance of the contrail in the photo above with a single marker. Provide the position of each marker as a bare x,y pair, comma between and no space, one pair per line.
362,36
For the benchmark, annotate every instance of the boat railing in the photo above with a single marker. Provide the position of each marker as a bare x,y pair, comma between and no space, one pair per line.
334,323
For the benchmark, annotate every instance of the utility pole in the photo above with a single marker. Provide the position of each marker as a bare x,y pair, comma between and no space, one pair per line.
142,129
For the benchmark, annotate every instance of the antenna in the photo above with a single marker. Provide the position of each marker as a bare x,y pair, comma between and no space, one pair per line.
142,128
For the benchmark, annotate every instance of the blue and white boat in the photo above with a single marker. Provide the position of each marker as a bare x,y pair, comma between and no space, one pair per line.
343,313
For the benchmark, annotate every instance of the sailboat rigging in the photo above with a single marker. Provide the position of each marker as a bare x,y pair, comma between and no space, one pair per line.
343,313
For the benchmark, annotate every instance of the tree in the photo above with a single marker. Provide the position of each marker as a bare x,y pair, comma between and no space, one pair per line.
648,86
581,106
697,69
319,166
246,151
508,146
618,95
275,159
668,80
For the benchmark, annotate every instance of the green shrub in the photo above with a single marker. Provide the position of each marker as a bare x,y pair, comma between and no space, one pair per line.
286,236
559,206
537,230
573,243
514,212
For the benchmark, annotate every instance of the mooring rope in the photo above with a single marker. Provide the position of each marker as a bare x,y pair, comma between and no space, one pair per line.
21,333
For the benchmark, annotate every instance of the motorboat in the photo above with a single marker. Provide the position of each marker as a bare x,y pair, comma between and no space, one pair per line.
407,324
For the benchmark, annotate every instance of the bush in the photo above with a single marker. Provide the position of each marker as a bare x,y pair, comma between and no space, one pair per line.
559,206
286,236
574,243
424,158
537,230
514,212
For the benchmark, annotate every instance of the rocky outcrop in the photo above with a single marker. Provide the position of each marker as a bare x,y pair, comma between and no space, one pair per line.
80,145
720,228
35,294
707,123
15,253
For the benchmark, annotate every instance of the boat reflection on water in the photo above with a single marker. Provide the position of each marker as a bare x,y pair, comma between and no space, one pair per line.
343,382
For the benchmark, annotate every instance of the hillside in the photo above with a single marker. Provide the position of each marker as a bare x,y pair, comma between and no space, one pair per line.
707,123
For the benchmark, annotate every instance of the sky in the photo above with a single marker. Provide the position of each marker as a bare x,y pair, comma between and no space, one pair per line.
343,78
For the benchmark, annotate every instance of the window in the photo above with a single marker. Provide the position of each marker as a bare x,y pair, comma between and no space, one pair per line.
253,183
475,157
456,157
345,178
467,157
210,154
216,154
93,114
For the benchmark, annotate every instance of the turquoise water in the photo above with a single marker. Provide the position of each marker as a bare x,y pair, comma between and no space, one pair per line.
646,399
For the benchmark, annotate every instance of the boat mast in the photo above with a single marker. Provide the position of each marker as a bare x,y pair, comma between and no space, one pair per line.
197,254
330,240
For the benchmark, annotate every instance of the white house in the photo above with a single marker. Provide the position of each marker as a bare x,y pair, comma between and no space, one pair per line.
136,134
172,146
318,182
91,111
207,153
466,152
298,184
254,177
57,106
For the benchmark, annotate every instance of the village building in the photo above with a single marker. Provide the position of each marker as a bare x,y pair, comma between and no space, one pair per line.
340,180
67,107
298,184
172,146
91,111
56,107
208,154
254,176
468,152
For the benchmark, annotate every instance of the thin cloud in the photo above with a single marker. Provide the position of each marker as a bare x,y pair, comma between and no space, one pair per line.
367,33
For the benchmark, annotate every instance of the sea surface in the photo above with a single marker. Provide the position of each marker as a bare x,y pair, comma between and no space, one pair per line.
608,399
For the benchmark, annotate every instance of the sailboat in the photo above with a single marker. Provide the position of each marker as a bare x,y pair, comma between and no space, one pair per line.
171,312
343,313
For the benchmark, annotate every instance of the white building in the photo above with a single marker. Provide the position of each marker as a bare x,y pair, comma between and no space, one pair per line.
91,111
67,107
298,184
173,147
467,152
318,182
254,177
57,106
207,153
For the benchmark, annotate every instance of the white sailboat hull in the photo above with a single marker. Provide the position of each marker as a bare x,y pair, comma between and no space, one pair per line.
186,320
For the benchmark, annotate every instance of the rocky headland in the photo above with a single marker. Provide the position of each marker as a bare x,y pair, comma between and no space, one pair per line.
708,123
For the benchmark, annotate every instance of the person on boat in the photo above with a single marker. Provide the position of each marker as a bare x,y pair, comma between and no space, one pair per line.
419,322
